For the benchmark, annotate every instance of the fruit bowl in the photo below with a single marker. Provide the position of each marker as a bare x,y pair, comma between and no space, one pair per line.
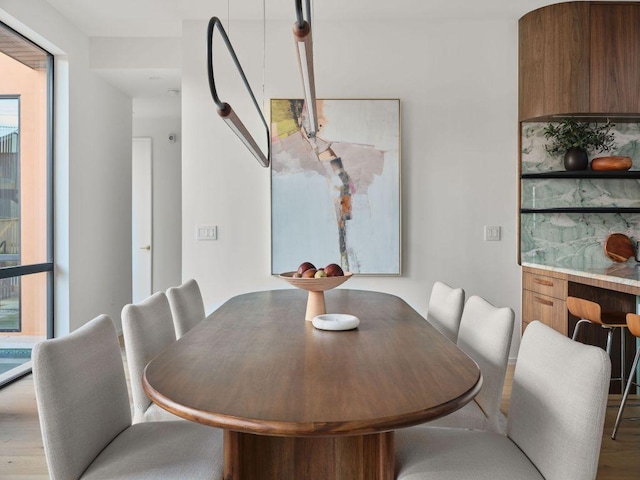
316,288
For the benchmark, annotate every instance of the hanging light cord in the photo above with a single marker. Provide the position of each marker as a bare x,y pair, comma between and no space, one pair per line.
299,14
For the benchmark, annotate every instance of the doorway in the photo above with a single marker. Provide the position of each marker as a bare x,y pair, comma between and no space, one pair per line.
142,219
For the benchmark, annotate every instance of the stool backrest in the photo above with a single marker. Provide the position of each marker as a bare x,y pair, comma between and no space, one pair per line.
584,309
633,322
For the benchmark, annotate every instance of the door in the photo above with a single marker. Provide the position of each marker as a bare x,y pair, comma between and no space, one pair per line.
142,223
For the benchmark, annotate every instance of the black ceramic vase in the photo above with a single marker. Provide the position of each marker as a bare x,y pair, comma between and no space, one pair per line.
576,159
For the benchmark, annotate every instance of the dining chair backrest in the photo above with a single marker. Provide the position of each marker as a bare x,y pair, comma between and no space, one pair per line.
79,380
187,306
147,328
558,402
485,335
445,309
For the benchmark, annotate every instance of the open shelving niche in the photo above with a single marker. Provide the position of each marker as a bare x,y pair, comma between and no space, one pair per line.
565,216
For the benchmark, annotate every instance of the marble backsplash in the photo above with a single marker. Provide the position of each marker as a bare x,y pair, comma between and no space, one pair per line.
536,159
575,239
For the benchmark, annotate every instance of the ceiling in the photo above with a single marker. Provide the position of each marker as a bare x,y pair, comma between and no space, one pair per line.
163,18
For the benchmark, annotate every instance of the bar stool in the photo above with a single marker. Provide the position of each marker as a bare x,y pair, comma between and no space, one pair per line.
633,322
590,312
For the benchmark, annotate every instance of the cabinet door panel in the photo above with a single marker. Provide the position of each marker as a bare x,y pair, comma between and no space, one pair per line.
549,310
553,61
615,58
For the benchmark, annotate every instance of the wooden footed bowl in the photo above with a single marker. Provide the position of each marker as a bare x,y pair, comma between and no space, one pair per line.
315,284
316,287
611,163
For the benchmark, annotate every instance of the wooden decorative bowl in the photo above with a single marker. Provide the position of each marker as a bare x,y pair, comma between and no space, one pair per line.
316,288
611,163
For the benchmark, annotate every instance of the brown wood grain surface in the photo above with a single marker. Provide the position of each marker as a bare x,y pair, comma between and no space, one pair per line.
618,247
615,58
553,63
256,366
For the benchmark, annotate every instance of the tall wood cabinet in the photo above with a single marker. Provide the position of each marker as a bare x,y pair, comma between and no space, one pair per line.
579,58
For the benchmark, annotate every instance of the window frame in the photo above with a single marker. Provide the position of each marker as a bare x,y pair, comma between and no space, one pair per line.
48,265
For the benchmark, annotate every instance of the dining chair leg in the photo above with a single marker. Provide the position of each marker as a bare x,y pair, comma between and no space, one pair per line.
625,395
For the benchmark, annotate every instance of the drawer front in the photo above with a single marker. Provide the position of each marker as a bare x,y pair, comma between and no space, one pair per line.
549,310
550,286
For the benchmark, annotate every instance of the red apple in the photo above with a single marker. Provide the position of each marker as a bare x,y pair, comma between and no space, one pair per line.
333,270
305,266
310,273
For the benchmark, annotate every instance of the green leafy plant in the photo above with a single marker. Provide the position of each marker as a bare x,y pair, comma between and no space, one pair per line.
572,134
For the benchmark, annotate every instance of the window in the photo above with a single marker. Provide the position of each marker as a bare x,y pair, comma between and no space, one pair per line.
26,233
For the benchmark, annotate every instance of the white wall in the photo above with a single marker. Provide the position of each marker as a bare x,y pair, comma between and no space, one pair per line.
167,198
457,81
92,172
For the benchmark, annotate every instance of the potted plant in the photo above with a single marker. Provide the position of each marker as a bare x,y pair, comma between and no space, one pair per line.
574,139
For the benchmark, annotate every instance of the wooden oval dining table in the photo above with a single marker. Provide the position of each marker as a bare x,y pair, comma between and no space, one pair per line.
298,403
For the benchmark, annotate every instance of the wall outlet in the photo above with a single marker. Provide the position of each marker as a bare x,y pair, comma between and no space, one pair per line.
206,232
491,234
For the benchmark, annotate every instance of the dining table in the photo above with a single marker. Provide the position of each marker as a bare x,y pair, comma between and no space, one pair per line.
296,402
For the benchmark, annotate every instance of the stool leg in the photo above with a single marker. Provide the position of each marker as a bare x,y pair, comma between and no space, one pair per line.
624,396
577,327
609,339
623,357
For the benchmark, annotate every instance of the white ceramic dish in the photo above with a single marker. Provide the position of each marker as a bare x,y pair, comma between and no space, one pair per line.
335,321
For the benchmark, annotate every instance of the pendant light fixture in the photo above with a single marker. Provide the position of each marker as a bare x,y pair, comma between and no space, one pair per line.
224,109
304,50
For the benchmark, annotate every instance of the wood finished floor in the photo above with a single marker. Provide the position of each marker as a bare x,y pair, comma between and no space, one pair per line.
22,455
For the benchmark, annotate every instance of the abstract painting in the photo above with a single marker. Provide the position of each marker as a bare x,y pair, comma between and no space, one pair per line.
335,193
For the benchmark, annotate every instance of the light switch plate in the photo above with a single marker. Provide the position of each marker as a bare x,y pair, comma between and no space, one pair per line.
491,234
206,232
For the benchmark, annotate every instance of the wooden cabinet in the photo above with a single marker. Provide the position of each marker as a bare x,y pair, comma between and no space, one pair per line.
579,58
553,60
615,58
544,299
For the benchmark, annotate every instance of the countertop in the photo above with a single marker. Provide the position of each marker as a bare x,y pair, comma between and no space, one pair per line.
620,273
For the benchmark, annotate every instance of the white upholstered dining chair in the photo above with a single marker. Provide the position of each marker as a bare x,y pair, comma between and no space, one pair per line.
187,306
445,309
85,417
147,328
556,418
485,335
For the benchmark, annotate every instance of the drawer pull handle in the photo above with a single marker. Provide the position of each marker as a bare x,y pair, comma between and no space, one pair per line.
543,301
546,283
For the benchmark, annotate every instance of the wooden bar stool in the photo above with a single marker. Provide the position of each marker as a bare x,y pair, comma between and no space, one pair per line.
590,312
633,322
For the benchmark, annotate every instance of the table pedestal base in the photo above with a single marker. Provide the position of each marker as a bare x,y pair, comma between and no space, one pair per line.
261,457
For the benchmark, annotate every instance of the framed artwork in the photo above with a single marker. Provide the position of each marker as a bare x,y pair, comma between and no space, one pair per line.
335,193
